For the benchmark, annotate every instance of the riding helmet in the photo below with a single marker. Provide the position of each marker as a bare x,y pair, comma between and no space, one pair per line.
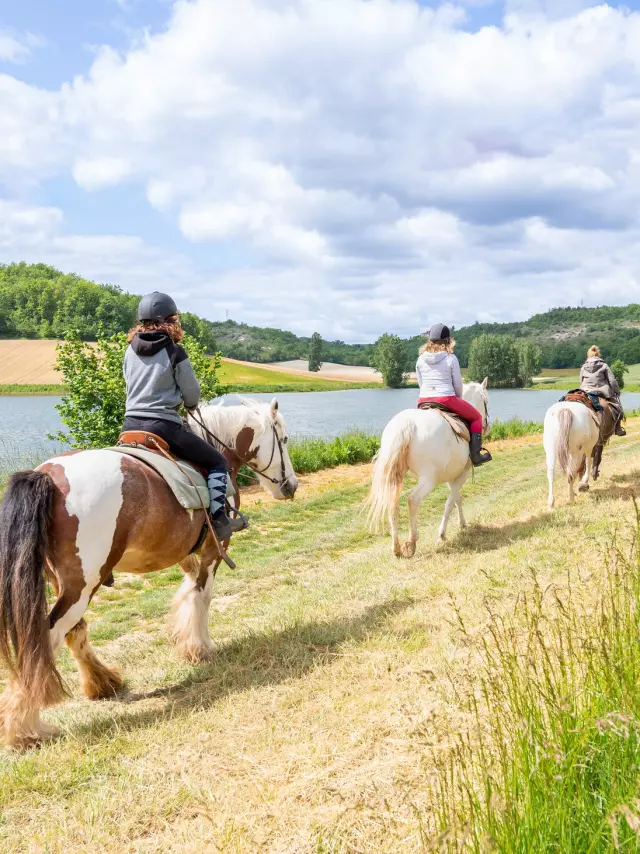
439,332
156,306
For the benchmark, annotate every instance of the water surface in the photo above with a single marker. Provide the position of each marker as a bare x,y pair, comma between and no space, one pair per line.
26,421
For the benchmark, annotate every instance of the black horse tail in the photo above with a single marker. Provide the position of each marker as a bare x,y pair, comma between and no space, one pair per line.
25,645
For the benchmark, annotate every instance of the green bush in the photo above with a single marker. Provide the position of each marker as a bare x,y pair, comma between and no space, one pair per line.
93,408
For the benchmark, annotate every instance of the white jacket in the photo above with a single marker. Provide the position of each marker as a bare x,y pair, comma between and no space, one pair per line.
439,375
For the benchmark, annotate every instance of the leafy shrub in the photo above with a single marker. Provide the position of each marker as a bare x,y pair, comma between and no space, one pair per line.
93,408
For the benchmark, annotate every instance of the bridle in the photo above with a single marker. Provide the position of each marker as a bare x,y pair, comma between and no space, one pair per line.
277,443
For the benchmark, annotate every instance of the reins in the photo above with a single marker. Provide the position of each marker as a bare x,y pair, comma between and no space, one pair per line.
277,442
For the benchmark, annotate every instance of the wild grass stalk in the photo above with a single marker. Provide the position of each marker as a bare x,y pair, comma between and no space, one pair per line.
551,761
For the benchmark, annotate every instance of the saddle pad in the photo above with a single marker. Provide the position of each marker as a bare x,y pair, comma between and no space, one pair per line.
174,476
457,424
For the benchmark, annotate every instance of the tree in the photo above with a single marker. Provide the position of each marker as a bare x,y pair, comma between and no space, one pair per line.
619,369
93,408
390,360
315,352
528,362
495,357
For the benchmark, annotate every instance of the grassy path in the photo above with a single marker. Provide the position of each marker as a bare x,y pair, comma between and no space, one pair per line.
335,674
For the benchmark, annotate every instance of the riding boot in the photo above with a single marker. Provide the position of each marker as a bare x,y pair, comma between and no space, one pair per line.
620,431
222,524
478,455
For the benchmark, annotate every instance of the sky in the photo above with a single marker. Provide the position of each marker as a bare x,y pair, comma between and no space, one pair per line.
351,167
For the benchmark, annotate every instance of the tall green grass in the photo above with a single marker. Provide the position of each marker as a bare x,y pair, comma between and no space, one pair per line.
512,429
308,455
551,760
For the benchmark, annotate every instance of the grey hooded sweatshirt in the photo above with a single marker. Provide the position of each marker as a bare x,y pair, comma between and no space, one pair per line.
439,375
596,375
159,377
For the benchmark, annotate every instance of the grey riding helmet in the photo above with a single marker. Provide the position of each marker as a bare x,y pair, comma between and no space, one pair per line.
156,306
439,332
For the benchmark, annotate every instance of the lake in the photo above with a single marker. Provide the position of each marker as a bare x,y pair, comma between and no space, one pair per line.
26,420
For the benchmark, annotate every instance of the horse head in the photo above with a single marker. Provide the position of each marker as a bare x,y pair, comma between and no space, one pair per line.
477,395
257,433
272,463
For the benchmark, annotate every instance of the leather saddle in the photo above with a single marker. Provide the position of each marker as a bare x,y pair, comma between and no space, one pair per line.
152,442
459,426
592,400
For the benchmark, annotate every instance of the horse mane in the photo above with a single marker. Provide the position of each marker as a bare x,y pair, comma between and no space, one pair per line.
226,422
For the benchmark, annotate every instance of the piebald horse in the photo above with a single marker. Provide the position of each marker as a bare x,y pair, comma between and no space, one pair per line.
421,441
82,515
571,433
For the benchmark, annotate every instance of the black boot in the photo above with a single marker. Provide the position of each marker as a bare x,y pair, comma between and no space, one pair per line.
225,527
478,455
620,431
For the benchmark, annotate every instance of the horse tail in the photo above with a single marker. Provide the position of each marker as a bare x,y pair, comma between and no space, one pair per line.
389,470
563,454
25,645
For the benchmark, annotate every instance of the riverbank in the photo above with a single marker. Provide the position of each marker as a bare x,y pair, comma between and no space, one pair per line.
339,670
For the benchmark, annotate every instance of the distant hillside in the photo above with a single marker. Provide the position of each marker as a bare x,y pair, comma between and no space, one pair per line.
563,335
258,344
38,301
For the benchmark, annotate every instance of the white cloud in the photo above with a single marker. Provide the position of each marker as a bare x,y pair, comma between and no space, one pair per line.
16,47
378,164
96,173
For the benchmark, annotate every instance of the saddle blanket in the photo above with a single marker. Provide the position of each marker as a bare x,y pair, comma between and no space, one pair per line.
174,476
457,424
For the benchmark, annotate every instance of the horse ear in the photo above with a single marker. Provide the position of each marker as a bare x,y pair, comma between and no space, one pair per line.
274,407
485,383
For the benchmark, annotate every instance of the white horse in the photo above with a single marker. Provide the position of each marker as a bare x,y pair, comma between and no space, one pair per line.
421,441
571,431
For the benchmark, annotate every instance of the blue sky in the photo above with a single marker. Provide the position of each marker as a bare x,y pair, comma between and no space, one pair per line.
350,166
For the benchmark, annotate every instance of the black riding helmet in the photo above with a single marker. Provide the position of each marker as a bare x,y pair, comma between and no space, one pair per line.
439,332
156,306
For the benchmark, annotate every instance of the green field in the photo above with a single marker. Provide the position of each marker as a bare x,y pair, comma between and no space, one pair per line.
567,378
333,710
248,378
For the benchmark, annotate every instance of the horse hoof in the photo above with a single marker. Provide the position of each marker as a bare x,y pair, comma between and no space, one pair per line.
584,487
408,549
198,653
102,684
48,732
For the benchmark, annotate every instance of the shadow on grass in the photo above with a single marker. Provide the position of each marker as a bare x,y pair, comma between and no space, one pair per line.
622,486
486,538
268,658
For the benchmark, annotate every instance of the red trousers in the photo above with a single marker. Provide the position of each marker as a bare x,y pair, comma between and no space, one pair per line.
461,408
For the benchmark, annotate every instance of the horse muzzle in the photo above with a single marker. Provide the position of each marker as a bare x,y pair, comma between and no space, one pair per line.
289,487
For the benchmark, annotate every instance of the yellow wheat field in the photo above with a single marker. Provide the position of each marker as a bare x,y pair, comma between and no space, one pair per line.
25,362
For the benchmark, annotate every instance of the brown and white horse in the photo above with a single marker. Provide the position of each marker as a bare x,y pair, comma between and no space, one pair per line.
82,515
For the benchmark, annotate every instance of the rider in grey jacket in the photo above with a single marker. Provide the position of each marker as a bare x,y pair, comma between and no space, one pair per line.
596,375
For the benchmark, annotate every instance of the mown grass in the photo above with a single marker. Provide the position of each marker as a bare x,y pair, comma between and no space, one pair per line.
551,760
338,671
32,389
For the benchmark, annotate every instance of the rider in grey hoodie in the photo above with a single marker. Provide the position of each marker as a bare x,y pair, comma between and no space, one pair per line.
596,375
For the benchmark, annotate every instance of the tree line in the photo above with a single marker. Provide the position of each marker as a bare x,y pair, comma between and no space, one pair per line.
38,301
